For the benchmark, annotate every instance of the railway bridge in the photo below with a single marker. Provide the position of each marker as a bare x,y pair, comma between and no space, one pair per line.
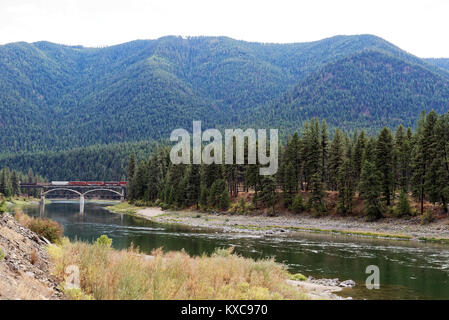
80,188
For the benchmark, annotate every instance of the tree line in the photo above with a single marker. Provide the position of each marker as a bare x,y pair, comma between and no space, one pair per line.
382,170
10,182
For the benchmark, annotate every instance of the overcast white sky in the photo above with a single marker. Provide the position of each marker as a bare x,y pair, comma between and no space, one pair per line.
419,27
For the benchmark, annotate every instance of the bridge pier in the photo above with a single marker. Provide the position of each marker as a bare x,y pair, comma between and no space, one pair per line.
42,197
82,203
42,209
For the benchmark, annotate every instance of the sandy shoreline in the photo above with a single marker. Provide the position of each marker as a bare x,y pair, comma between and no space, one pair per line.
149,212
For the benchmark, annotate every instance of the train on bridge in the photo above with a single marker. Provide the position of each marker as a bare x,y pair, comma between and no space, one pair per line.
77,184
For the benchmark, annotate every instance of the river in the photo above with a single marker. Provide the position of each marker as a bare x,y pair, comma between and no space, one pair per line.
408,270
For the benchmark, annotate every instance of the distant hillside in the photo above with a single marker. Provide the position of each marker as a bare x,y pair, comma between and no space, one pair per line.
96,162
55,97
368,90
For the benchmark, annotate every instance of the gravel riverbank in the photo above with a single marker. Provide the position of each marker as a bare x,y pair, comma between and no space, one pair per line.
405,229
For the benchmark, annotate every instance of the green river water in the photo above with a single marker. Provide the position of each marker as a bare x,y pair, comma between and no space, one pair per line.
408,270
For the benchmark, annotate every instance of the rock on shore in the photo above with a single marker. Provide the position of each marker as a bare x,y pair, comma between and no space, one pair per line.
25,270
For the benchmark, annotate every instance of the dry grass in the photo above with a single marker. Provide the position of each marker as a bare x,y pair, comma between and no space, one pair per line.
106,273
33,256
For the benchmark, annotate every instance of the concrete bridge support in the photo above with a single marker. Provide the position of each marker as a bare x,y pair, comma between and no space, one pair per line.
82,203
42,197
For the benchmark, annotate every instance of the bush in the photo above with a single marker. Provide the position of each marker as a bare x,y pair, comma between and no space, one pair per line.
403,206
224,200
3,206
241,207
427,217
142,203
104,241
2,255
298,277
298,204
287,199
49,229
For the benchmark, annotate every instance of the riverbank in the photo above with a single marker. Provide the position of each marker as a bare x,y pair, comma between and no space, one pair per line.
391,228
23,202
31,268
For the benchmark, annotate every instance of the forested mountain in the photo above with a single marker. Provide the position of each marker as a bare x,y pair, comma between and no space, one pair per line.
96,162
368,90
56,97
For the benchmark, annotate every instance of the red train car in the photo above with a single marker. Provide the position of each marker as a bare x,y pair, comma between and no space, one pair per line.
77,183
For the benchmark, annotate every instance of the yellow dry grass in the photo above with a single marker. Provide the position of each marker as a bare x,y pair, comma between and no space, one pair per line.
106,273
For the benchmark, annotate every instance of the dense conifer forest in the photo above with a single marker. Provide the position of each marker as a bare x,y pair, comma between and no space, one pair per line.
384,172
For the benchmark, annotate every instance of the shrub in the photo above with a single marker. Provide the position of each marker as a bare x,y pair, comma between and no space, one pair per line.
403,206
142,203
427,217
287,199
241,207
224,200
104,241
2,255
33,256
3,206
46,228
298,277
298,204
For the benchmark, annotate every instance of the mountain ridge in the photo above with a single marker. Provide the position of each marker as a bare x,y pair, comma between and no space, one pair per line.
58,97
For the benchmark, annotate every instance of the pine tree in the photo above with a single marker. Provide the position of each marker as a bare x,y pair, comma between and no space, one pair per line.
403,161
316,203
384,163
424,154
359,153
324,151
403,207
215,192
268,194
140,182
293,156
131,173
336,154
346,186
193,186
298,204
153,179
224,200
15,183
203,198
370,189
171,195
290,185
